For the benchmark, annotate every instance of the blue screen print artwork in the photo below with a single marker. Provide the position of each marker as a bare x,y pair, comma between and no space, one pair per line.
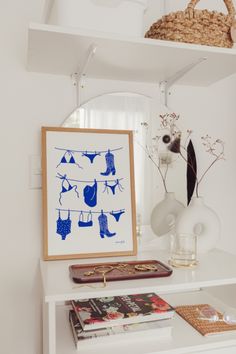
90,192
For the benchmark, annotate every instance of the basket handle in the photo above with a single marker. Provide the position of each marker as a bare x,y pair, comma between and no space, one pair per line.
228,3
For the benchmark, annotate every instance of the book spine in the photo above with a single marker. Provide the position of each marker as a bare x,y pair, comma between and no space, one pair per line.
73,330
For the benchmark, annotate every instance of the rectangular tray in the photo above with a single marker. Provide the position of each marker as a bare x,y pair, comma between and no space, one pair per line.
77,271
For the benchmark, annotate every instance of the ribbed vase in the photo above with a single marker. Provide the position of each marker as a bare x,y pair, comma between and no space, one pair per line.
165,213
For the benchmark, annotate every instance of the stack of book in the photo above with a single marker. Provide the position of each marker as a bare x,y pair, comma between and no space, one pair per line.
123,318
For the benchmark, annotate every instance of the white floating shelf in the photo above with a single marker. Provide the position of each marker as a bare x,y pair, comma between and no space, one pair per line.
61,51
185,339
59,287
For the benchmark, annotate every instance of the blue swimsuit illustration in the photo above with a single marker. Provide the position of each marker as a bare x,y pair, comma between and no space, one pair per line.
91,156
68,158
112,187
117,214
66,186
88,222
63,226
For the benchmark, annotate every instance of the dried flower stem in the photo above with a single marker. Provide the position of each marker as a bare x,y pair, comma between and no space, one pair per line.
163,177
211,149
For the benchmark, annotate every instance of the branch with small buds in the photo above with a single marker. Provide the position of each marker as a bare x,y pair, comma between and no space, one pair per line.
214,148
168,122
151,152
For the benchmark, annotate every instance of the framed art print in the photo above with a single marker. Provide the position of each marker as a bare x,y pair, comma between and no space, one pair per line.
88,193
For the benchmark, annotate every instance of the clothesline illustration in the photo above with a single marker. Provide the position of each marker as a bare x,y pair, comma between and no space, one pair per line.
63,226
68,158
89,192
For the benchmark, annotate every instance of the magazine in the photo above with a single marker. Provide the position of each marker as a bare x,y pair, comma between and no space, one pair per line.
137,331
120,310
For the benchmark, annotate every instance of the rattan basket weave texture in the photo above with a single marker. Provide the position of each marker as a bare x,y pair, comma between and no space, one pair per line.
205,27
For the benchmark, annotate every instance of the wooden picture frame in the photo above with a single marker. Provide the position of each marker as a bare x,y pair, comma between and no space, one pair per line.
88,193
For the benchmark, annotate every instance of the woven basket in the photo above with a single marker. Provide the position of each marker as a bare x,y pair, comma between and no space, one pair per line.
196,26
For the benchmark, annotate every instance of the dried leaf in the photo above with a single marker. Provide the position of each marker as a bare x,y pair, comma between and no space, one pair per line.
191,170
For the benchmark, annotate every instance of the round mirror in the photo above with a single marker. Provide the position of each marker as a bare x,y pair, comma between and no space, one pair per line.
131,111
123,111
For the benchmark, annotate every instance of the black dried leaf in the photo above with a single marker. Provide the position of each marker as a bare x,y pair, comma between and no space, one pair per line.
191,170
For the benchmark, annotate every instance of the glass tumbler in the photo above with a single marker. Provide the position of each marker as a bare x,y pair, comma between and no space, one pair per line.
183,250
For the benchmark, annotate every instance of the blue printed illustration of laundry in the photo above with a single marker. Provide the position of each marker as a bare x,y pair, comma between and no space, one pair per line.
117,214
63,226
68,158
85,223
66,186
110,164
91,155
90,194
103,225
112,187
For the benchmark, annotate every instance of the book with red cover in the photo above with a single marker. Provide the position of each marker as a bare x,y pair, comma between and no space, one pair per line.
120,310
153,330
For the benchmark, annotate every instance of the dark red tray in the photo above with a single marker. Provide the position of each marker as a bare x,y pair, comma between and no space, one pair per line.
77,271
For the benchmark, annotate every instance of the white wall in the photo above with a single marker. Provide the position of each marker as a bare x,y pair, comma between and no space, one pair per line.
29,101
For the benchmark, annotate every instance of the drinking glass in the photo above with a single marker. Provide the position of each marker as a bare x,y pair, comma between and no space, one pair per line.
183,251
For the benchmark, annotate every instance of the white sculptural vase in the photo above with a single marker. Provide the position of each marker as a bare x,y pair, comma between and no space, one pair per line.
199,219
164,214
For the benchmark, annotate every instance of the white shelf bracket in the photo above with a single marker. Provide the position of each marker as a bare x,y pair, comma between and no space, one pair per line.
165,85
80,73
47,8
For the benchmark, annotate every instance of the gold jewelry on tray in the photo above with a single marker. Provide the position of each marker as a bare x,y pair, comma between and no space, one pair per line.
122,267
145,267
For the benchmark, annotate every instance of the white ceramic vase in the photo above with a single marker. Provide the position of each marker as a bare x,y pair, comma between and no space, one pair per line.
164,214
197,218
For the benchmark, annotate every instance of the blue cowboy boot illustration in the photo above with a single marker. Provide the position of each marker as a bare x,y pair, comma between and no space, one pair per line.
110,164
102,219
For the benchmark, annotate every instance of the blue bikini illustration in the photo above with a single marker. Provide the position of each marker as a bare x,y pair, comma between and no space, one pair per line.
112,187
117,214
90,155
66,186
68,158
85,223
